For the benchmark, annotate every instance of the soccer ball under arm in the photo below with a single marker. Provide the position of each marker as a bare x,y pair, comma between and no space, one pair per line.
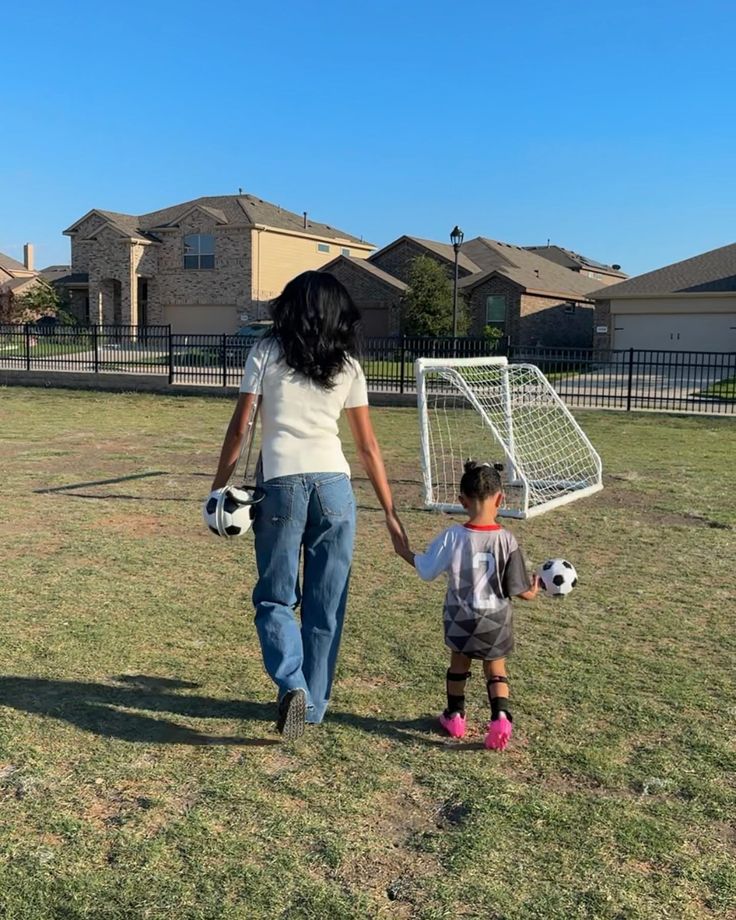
229,512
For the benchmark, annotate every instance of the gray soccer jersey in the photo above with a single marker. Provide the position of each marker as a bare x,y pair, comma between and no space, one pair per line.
484,568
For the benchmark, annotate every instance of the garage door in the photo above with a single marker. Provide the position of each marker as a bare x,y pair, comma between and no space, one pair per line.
202,319
675,332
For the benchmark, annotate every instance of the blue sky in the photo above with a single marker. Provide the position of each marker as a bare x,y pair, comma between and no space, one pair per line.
608,128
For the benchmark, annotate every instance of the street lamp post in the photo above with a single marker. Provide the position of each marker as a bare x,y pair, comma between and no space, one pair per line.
456,238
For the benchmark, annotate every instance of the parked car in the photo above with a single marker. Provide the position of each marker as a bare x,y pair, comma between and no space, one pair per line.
238,345
255,329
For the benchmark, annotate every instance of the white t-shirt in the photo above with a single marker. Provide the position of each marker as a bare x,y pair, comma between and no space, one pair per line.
299,418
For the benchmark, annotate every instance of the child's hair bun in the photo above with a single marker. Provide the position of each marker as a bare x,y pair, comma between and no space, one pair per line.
471,465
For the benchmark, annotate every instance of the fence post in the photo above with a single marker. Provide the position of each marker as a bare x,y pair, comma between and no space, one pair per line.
96,340
224,359
631,374
27,330
403,362
170,344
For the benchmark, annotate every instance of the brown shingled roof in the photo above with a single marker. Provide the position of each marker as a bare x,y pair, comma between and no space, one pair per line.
12,266
711,272
226,209
525,268
574,260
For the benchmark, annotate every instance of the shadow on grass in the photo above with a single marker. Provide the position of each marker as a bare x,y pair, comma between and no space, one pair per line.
98,482
114,710
105,709
422,731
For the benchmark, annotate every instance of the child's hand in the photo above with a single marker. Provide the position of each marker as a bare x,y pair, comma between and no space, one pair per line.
533,591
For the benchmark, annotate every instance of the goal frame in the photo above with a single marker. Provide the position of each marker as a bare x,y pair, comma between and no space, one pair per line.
516,477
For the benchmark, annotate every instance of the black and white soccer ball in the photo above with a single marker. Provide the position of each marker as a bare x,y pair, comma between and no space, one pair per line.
557,577
229,512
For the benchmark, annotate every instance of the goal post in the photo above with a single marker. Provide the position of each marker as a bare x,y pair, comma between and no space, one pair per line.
488,410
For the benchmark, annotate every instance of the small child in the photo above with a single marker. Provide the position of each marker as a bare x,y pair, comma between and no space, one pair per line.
485,568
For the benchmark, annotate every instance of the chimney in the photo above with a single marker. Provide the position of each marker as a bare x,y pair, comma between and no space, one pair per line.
28,256
305,220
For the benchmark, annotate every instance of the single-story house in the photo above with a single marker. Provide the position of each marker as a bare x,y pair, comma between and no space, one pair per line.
686,306
530,299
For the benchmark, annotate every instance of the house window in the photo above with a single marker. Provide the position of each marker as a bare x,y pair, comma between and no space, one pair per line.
345,252
570,308
496,310
323,247
199,251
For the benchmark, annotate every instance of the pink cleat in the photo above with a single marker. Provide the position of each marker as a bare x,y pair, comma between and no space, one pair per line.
454,724
499,732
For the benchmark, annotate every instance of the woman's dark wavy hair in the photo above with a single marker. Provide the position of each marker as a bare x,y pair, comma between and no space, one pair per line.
316,323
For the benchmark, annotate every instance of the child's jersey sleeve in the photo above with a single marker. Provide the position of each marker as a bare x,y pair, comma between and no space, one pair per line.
516,578
437,559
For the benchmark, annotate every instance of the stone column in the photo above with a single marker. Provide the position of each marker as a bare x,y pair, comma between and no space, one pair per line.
95,302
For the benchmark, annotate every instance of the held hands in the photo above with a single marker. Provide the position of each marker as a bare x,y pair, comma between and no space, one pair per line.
399,537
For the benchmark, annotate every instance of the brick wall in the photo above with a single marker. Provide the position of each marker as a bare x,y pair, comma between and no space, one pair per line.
546,322
111,257
379,303
477,304
532,320
603,318
229,283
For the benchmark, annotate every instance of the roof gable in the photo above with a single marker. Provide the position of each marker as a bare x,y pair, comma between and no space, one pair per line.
444,251
363,265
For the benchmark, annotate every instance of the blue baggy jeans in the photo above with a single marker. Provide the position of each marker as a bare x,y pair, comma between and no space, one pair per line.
311,515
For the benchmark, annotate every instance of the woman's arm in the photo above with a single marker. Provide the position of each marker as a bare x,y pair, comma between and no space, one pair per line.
369,454
233,439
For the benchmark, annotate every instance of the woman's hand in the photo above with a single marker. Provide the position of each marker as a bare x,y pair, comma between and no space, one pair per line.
398,536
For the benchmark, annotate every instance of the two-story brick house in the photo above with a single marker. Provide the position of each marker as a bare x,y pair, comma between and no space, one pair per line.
205,265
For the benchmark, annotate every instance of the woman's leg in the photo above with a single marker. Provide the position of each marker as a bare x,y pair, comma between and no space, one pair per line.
278,529
328,555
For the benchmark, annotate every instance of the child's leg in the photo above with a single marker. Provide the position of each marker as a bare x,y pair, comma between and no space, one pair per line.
499,728
453,718
457,676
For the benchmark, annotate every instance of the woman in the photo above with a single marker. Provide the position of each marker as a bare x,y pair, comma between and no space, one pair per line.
309,375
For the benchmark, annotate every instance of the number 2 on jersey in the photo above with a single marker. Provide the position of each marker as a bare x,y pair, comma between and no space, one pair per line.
483,594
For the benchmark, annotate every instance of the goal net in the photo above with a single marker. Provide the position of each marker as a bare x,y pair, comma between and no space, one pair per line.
488,410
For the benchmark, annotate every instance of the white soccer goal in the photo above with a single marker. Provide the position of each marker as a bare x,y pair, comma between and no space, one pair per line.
489,410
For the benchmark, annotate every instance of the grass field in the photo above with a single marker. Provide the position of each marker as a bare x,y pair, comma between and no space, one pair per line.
723,389
140,774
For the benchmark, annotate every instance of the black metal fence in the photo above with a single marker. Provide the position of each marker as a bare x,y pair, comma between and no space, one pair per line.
630,379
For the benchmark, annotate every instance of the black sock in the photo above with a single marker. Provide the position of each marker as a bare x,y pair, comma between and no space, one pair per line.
456,701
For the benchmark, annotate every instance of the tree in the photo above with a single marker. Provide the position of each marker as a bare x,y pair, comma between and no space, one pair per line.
39,301
428,302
